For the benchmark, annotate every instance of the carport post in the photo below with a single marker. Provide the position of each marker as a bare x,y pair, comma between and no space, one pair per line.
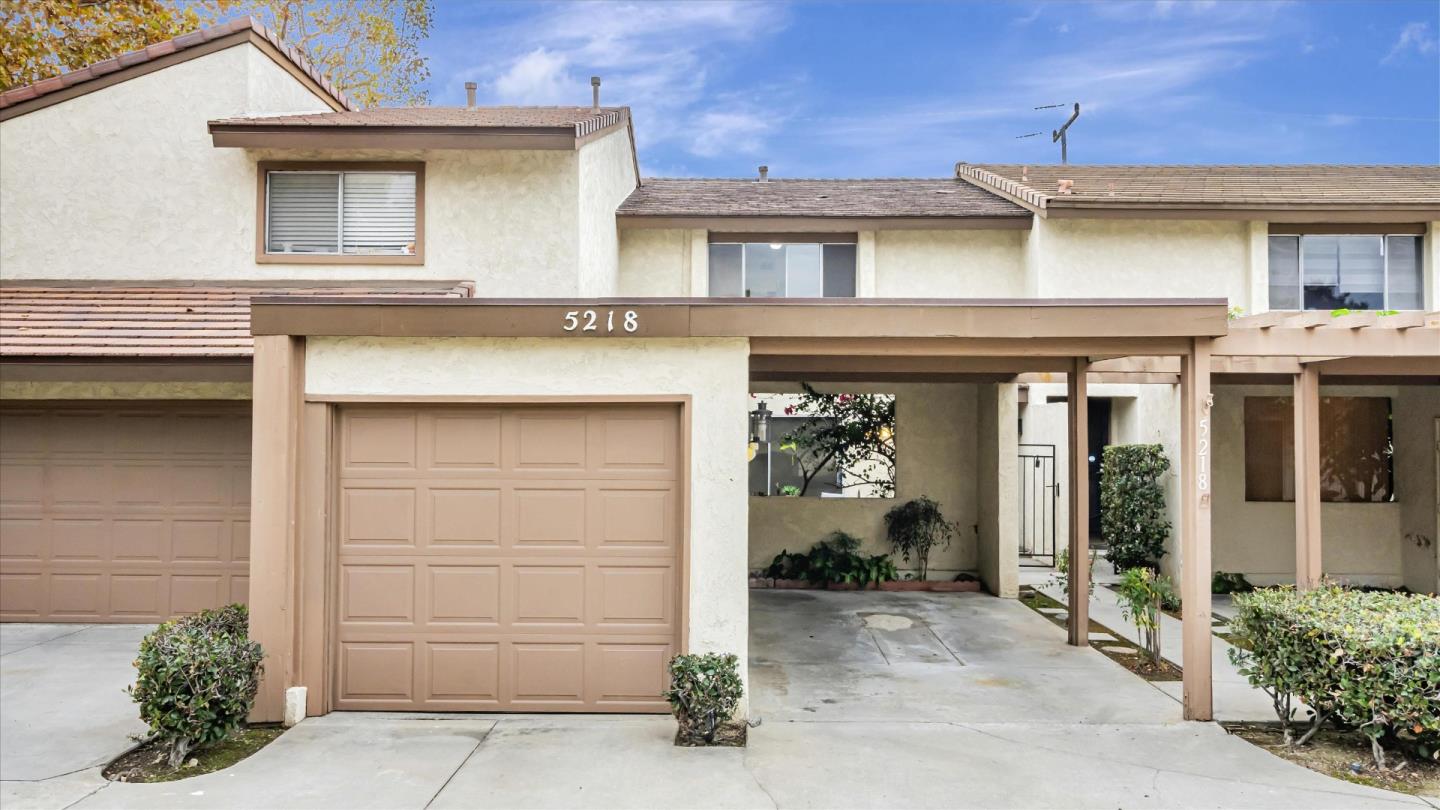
1307,477
1195,491
1079,575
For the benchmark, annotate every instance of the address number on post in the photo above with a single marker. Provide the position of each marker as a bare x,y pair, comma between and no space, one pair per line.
590,320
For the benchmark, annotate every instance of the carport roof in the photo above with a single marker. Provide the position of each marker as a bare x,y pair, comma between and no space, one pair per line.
155,320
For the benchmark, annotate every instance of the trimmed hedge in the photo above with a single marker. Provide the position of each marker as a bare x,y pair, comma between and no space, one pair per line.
705,689
197,679
1132,504
1369,661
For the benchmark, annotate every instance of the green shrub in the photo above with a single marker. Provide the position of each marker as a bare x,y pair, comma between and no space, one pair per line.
704,692
1132,504
1224,582
833,560
1061,577
916,528
1142,595
197,678
1369,661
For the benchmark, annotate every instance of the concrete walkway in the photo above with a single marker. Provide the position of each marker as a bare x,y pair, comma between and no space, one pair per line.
866,700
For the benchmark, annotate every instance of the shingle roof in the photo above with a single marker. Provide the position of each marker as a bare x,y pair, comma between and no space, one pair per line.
1211,186
155,321
580,119
179,44
815,198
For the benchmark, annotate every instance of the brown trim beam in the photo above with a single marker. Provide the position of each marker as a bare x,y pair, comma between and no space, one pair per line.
1306,402
810,224
1077,409
784,237
1195,502
1340,228
255,136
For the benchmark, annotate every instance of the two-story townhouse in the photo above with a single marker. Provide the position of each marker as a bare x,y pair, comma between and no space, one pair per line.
530,498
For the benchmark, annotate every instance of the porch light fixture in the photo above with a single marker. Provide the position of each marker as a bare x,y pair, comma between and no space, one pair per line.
760,424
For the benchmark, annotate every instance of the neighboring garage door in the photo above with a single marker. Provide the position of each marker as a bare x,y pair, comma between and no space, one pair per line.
122,512
508,558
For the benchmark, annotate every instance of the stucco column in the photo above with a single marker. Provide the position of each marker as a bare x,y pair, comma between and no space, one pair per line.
1195,490
1077,409
865,264
996,489
1307,477
1257,269
279,373
698,284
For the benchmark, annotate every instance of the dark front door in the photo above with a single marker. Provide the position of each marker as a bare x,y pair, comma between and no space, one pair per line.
1099,410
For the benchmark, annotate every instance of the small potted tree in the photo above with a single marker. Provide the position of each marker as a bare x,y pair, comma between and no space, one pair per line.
915,528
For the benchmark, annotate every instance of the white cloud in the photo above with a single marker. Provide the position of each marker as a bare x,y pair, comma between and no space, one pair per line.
538,77
1414,37
717,133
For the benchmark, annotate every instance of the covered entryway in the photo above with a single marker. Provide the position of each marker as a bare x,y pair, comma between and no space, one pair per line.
518,557
123,512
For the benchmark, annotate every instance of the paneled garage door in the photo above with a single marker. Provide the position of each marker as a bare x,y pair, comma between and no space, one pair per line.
507,558
123,512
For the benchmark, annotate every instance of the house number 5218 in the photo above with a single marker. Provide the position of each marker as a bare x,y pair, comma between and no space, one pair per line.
588,320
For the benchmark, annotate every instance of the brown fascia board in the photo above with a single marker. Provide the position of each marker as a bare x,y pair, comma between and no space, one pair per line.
150,66
791,224
1095,320
330,136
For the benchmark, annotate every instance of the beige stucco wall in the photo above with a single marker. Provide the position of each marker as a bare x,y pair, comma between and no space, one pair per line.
712,372
124,183
1417,463
935,451
997,483
607,176
1361,541
1097,258
655,261
949,264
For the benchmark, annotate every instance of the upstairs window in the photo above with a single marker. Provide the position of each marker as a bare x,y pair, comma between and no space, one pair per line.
1325,271
364,214
783,269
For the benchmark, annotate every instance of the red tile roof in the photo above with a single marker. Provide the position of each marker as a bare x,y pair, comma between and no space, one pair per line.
18,95
157,321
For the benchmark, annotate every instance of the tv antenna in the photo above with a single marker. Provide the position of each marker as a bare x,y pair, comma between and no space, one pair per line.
1059,134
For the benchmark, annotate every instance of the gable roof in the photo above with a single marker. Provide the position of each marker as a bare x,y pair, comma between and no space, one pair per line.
423,128
1315,188
868,199
21,100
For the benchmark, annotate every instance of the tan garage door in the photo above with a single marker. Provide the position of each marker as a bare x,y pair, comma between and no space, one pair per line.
122,512
508,558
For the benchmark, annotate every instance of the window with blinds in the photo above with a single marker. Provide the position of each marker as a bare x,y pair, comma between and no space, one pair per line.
338,212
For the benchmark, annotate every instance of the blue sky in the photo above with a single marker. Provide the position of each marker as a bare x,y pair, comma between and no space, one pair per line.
817,89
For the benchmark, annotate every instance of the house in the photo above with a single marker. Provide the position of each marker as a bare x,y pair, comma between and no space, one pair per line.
460,403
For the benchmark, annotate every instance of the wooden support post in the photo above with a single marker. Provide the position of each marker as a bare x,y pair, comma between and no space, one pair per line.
1079,461
277,393
1307,477
1195,489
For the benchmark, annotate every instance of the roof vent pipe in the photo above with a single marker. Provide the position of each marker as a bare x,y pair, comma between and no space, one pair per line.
470,94
594,94
764,174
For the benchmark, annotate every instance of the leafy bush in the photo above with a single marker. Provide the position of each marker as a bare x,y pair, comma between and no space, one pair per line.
832,560
197,679
1142,595
704,692
1369,661
1224,582
916,528
1061,577
1132,504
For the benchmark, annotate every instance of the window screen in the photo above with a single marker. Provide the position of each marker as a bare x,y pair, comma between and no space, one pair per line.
782,269
350,213
1361,272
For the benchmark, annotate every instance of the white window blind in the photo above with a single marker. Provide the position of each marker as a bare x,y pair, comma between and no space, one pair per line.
353,213
304,213
379,213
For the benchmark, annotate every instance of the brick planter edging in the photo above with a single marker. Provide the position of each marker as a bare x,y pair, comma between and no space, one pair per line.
933,586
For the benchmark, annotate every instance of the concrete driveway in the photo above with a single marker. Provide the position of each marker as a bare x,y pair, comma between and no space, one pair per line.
867,700
63,707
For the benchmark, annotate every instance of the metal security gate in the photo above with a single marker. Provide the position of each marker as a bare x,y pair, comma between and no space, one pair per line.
1038,494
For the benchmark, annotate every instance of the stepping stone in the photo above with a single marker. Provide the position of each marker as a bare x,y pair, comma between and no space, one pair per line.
1118,650
1101,637
1052,610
